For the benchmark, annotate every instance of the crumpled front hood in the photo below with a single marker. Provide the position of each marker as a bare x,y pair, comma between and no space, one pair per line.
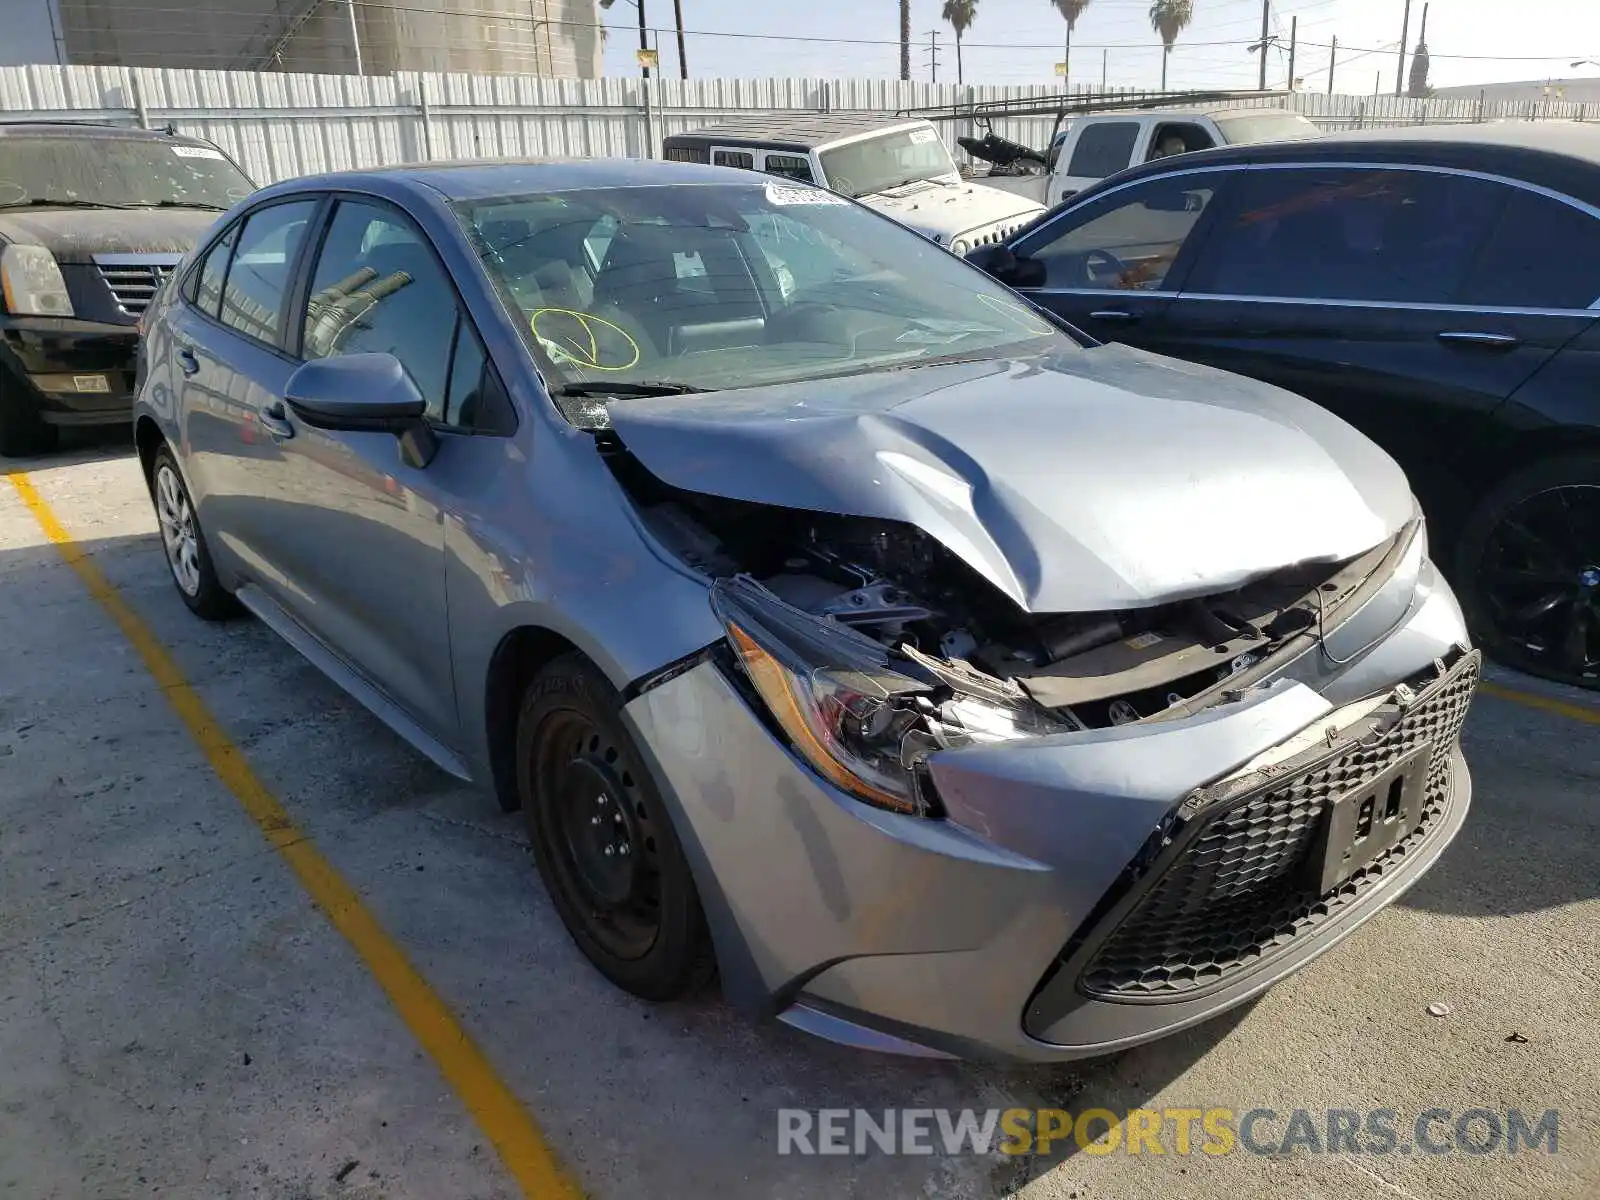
950,209
76,235
1100,479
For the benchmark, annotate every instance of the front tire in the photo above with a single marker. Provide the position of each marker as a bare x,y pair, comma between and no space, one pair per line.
603,839
184,543
1528,563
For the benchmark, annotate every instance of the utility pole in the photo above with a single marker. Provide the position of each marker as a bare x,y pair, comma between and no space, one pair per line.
1405,30
1266,15
683,59
1105,58
644,38
933,54
1333,61
1294,36
355,38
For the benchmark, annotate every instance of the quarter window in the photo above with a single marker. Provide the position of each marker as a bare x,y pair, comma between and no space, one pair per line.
1349,234
1103,148
205,289
378,288
258,279
1543,254
1130,240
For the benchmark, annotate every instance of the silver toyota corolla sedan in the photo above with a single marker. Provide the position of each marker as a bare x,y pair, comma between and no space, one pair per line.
950,683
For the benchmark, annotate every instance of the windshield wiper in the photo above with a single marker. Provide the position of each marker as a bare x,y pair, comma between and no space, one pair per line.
45,203
626,389
186,204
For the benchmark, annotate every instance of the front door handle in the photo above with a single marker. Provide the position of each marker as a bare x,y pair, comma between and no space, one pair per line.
187,362
275,420
1469,337
1120,315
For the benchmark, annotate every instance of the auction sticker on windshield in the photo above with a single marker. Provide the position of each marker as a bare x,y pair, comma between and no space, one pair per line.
780,195
919,136
196,152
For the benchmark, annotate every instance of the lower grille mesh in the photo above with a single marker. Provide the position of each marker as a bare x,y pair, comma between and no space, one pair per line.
1244,886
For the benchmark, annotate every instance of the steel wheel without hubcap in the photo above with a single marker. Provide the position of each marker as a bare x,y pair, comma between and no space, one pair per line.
605,840
1539,583
178,534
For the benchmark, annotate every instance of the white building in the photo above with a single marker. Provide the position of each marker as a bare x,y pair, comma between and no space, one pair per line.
536,37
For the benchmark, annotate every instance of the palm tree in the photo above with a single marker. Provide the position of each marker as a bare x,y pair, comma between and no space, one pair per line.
1070,11
1169,18
905,39
960,14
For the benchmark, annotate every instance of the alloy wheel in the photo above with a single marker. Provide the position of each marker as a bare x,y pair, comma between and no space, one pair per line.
178,532
1539,580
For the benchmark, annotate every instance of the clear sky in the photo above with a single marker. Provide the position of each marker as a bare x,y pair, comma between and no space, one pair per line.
1019,41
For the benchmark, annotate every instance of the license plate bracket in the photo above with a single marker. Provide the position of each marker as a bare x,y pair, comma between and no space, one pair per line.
1372,819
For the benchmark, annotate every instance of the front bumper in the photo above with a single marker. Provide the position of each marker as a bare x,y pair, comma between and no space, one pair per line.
970,936
77,372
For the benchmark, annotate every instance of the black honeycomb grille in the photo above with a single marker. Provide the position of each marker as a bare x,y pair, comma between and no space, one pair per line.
1245,888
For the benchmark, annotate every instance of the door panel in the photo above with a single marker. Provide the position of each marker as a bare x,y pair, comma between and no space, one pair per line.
1343,284
226,346
360,534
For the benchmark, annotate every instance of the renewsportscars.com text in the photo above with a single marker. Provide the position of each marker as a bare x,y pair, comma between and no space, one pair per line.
1181,1131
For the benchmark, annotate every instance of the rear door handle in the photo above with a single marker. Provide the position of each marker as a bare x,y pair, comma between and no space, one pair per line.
1469,337
187,362
1121,315
275,420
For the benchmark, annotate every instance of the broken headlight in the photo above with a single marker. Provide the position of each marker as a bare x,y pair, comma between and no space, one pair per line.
862,717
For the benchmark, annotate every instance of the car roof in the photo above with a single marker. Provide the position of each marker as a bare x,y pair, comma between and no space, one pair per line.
484,178
1215,112
1563,156
91,129
805,131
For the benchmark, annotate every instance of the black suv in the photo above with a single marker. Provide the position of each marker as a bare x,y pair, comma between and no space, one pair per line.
92,220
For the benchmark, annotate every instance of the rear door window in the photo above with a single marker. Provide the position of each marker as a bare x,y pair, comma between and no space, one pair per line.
1348,233
1103,148
258,278
742,159
790,166
1543,254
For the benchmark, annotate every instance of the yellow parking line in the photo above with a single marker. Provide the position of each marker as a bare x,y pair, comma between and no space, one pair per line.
497,1110
1564,708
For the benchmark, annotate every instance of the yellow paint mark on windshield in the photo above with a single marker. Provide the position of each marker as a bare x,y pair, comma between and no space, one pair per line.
581,343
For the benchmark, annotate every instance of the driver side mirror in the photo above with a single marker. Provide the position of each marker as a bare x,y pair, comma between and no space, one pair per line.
999,261
370,393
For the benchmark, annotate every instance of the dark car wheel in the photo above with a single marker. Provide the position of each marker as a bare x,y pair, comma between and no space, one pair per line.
21,429
185,544
603,839
1529,570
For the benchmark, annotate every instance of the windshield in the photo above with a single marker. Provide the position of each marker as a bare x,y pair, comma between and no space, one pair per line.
1266,127
714,287
880,163
116,172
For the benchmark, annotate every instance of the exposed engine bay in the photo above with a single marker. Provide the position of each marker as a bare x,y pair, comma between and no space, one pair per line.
895,585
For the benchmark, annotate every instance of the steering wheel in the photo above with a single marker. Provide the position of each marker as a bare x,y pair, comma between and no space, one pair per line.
1102,265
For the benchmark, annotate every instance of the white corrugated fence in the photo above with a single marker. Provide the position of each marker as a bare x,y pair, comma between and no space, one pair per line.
279,125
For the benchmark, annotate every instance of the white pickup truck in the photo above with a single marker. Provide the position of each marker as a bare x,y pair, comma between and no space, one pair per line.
898,166
1101,144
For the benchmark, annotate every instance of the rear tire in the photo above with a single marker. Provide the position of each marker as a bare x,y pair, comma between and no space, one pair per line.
1528,570
184,543
22,430
603,839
